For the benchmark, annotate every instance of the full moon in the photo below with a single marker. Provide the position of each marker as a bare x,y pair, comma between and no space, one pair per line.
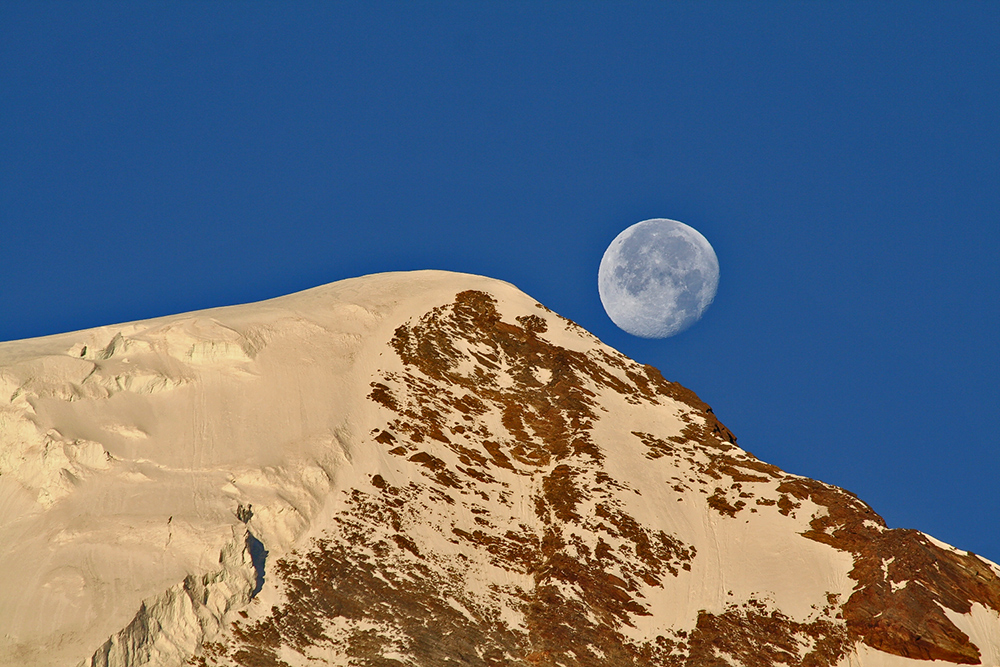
657,278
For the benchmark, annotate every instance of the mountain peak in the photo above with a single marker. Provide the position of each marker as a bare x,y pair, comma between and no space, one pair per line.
425,469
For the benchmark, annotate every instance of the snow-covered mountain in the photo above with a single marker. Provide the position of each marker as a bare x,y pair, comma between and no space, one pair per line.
429,469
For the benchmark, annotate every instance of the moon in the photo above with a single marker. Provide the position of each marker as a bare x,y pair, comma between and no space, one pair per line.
657,278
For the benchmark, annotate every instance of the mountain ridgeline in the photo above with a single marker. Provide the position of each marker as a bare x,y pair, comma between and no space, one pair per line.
441,471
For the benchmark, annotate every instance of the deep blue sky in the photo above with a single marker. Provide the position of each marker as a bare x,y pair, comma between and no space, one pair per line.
842,158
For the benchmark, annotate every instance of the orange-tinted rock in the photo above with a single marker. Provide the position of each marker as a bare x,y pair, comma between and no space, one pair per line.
371,589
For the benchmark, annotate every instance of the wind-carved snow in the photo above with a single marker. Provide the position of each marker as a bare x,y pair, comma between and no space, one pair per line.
124,453
439,470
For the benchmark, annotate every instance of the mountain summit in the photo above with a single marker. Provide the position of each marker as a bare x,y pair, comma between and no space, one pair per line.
429,469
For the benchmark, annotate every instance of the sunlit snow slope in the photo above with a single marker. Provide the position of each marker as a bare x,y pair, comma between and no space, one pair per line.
428,469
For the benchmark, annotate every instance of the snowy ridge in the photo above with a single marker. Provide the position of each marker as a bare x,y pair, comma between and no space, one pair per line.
429,468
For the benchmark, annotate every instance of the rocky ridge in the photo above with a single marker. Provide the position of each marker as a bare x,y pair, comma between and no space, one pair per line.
461,477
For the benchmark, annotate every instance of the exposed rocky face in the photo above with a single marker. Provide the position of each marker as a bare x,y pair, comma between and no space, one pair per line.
480,402
437,470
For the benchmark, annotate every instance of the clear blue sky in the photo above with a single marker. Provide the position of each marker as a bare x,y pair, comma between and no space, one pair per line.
842,158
